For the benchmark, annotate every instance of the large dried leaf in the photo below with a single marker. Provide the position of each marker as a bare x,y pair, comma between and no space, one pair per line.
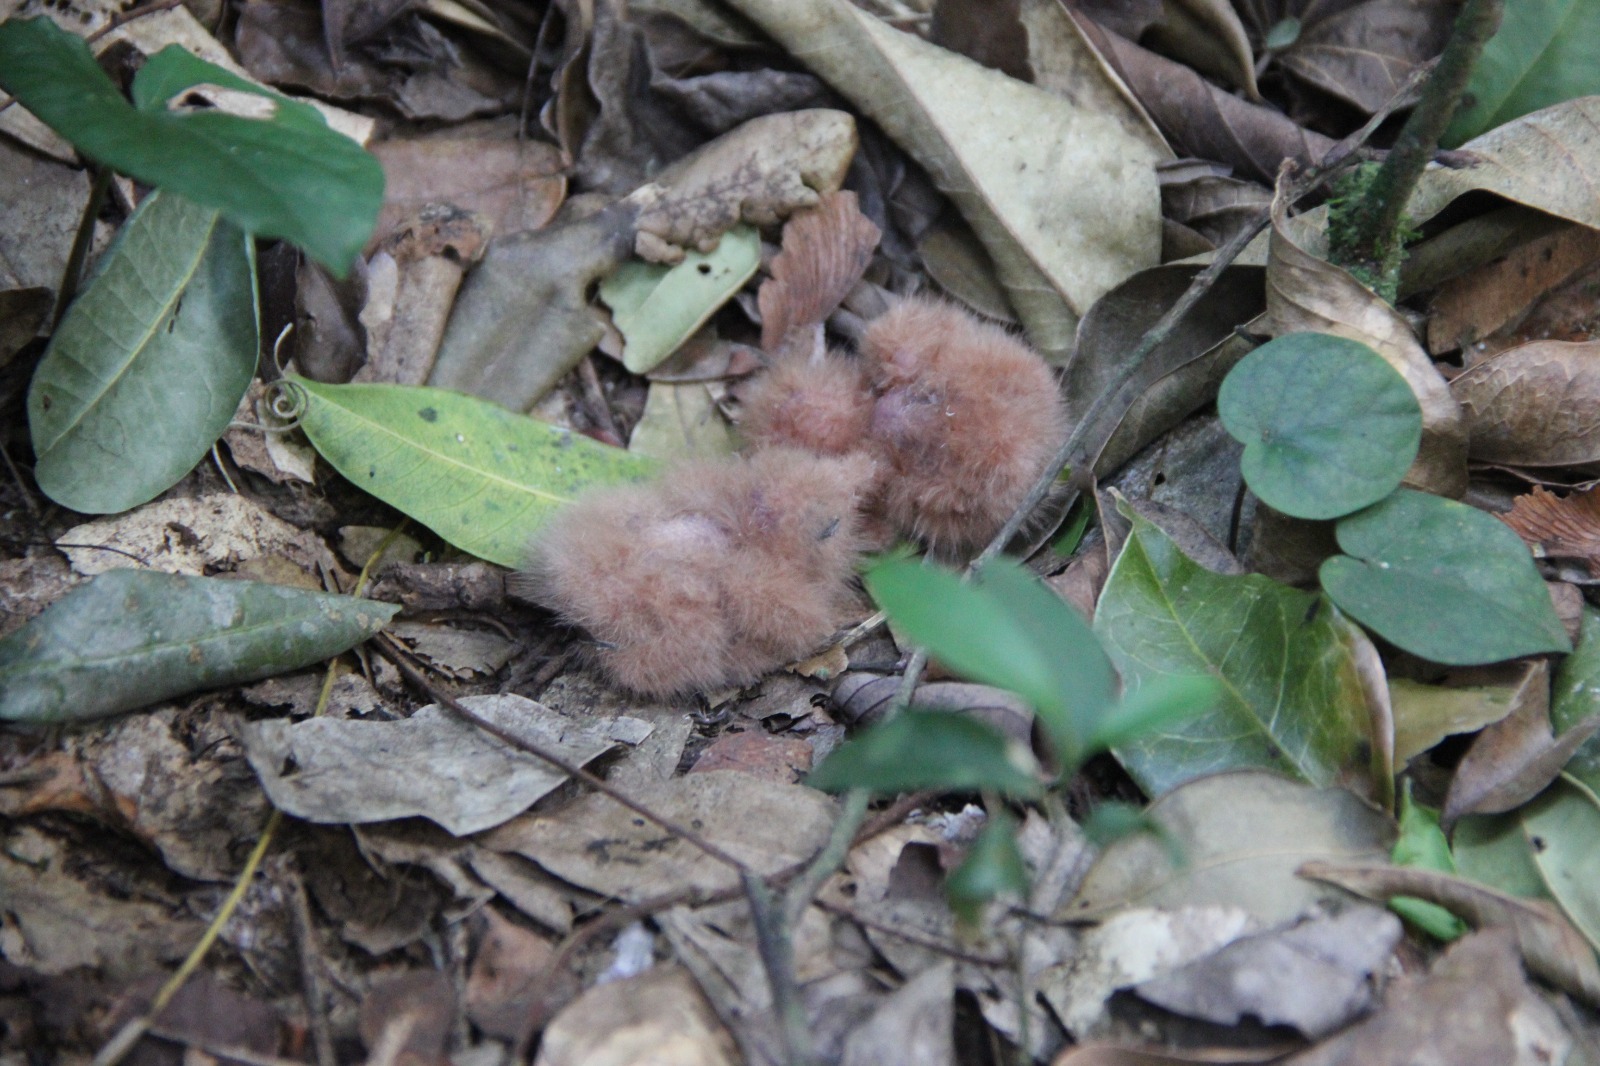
1241,837
1550,946
148,367
434,764
1364,52
605,847
516,185
1207,36
1495,300
130,638
1306,293
481,477
1533,405
1061,193
1294,699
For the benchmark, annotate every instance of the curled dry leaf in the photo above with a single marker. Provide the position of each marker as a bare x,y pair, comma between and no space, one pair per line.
1559,527
760,173
1534,405
1061,193
1305,292
1550,946
825,252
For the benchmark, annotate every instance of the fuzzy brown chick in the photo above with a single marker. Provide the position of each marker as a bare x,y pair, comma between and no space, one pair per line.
713,576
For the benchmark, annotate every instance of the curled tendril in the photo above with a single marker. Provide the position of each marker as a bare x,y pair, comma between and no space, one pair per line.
286,401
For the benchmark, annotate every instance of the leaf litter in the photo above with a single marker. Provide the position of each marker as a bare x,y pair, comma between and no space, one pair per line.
1021,162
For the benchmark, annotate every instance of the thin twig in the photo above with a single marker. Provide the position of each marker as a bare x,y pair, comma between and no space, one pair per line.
599,406
310,980
776,949
387,648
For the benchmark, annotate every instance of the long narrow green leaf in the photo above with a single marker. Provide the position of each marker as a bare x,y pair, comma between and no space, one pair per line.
478,475
285,174
150,362
131,638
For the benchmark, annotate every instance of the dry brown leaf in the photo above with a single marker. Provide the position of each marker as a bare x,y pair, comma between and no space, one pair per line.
1364,52
1499,295
659,1018
1208,122
1514,759
1474,1009
776,758
825,251
514,185
1550,946
1466,702
1207,36
1204,197
1534,405
759,173
407,1018
1559,527
1305,292
986,31
504,977
1059,192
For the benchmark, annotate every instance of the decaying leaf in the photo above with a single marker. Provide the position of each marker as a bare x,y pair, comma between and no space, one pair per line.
1498,295
1550,946
516,185
1533,405
1426,714
1514,759
825,251
1242,835
1559,527
1305,292
1062,196
433,764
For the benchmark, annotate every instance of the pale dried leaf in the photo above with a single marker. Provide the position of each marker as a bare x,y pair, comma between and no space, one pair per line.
826,249
1534,405
1559,527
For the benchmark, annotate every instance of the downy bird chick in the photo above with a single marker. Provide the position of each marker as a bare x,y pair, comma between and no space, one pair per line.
714,575
965,416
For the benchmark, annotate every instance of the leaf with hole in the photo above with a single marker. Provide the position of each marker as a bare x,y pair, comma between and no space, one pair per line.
1008,630
130,638
478,475
149,364
1328,426
1292,697
930,749
1442,580
282,174
658,307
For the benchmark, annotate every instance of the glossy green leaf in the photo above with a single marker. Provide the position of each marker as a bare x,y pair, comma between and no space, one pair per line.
658,307
1008,630
1542,54
993,867
130,638
1292,698
1442,580
1328,426
1563,831
1575,695
1422,843
283,174
149,364
478,475
930,749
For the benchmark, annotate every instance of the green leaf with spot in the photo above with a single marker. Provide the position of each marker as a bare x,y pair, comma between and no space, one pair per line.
1442,580
281,174
1292,697
1328,426
148,365
478,475
130,638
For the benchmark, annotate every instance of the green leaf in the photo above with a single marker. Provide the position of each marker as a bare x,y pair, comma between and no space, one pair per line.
478,475
1442,580
1422,843
1563,831
1575,695
930,749
130,638
1292,698
1542,54
993,867
1008,630
1164,703
1328,426
657,307
150,361
1492,850
285,174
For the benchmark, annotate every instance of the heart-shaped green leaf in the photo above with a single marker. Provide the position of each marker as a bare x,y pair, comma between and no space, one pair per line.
1328,426
1442,580
283,174
130,638
1292,697
478,475
149,364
